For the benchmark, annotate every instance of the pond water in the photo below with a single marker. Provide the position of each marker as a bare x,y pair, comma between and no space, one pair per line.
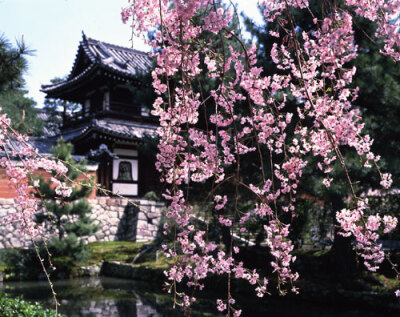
112,297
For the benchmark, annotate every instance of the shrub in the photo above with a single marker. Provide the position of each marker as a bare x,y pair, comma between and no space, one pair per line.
12,307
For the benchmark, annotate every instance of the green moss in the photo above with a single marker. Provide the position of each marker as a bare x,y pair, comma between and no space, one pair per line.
386,284
122,251
320,253
125,252
162,263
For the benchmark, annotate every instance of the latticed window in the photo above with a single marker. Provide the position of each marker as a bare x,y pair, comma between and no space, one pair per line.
125,171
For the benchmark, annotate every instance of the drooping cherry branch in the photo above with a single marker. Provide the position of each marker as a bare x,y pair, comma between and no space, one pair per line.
194,41
21,162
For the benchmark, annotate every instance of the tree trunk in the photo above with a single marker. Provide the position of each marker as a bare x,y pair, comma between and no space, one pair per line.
226,237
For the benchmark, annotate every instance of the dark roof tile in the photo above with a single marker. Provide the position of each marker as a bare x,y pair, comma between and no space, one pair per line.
116,60
125,129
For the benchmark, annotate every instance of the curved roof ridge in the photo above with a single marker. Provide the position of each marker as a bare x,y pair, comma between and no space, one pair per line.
131,49
113,59
68,81
83,45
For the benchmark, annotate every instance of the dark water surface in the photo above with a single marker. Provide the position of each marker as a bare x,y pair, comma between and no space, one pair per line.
112,297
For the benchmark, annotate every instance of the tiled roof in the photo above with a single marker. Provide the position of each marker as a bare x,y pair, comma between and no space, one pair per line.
68,82
124,62
112,127
122,128
101,151
43,144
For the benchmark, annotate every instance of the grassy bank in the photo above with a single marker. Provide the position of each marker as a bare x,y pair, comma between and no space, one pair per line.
122,251
135,253
22,264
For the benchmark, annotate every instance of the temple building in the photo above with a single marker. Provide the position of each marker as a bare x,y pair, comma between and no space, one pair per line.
108,89
111,121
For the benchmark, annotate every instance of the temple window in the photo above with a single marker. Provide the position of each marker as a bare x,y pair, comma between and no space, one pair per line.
125,171
125,176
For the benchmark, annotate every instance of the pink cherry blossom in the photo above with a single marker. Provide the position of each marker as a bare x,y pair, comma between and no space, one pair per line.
250,115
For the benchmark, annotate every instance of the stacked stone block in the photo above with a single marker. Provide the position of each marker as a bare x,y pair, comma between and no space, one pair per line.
117,218
10,236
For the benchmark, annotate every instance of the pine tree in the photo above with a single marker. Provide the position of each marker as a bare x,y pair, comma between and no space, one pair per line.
67,216
13,101
56,110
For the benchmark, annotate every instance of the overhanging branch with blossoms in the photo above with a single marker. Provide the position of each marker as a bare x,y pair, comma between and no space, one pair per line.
249,114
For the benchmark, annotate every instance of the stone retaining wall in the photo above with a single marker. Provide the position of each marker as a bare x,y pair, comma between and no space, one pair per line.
9,234
120,220
117,219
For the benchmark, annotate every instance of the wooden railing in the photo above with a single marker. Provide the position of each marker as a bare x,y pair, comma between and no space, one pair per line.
117,110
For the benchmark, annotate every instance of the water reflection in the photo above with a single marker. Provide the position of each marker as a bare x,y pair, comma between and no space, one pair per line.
111,297
97,297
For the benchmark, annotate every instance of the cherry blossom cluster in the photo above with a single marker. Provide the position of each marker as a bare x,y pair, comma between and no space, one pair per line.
317,63
281,247
366,232
385,14
20,161
249,116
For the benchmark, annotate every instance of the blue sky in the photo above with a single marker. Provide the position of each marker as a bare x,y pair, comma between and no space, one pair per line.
53,28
